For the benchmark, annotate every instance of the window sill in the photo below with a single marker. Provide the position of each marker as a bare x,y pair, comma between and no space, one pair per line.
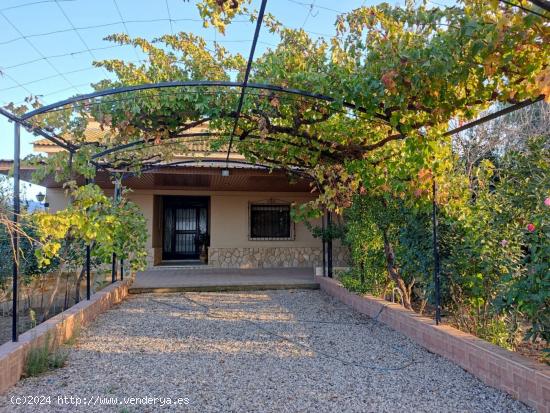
271,239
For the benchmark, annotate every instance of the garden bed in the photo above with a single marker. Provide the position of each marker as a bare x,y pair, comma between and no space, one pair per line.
519,376
35,294
57,330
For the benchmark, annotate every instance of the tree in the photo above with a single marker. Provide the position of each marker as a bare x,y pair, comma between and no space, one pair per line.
28,265
96,220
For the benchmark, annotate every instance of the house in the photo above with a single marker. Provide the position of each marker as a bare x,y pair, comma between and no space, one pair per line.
206,210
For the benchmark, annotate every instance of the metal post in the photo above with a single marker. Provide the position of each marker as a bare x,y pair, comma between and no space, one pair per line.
88,253
15,234
437,285
113,260
121,269
259,21
329,244
324,246
88,281
113,268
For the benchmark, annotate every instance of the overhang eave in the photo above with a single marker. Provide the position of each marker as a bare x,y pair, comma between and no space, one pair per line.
205,177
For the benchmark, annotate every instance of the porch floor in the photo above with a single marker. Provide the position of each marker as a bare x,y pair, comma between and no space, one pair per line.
164,280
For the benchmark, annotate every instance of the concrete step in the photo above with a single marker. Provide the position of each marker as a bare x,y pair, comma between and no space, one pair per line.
224,287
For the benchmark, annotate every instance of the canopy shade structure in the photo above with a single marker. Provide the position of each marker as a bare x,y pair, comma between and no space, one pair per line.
231,93
103,150
386,84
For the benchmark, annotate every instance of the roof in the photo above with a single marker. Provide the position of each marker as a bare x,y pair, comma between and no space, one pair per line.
92,133
197,147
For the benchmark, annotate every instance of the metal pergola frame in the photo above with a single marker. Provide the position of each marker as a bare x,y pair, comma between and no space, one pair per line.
24,119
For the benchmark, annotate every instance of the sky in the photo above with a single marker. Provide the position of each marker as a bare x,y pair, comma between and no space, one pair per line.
47,46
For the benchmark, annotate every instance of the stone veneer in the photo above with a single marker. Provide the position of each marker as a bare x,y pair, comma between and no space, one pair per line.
273,257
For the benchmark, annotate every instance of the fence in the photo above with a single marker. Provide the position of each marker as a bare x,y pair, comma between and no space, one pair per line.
37,298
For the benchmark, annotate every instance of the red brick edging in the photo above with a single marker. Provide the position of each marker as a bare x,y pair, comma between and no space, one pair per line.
57,329
524,379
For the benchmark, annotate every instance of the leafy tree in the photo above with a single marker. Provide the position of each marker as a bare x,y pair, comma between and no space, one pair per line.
28,265
526,186
96,220
422,67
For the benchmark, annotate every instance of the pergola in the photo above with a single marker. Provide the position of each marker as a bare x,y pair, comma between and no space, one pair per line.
242,87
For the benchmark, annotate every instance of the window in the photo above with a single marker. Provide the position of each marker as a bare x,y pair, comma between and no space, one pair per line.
270,222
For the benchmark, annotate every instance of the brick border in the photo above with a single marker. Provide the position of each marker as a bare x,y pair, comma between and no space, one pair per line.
57,329
522,378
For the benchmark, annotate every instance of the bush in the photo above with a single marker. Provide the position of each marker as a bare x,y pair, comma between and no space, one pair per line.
494,241
28,262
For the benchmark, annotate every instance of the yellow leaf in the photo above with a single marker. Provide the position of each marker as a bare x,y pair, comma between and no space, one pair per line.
542,80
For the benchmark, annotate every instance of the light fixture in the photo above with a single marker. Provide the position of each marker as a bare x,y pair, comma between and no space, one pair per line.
225,172
40,197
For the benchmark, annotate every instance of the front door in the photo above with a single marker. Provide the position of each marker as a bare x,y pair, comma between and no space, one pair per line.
185,227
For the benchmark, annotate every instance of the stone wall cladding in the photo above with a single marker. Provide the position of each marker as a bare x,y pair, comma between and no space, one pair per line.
272,257
57,329
522,378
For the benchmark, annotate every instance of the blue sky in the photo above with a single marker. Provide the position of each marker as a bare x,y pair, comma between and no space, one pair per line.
44,43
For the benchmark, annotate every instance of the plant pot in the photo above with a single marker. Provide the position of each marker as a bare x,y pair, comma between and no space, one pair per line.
204,255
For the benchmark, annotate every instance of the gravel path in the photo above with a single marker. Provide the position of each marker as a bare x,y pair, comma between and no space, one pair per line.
292,351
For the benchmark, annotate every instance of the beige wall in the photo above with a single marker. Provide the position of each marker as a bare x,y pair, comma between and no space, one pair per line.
145,203
228,219
56,198
229,224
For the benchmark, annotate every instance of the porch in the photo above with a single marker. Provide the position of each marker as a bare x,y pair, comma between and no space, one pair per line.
197,278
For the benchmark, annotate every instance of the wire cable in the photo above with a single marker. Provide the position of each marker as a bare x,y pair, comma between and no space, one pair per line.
18,6
113,47
37,50
169,17
78,34
84,69
309,13
17,84
525,9
99,26
312,5
124,24
28,62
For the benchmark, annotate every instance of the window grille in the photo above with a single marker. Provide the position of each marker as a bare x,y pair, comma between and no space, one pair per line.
270,222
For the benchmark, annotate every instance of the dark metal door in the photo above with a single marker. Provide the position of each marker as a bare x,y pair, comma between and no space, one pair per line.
184,226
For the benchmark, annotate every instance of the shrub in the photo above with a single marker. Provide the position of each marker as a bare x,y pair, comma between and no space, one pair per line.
494,242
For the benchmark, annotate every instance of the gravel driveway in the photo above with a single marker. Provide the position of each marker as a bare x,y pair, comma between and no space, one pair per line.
292,351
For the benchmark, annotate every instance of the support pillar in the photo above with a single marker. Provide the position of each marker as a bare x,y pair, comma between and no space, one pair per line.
116,196
113,268
437,283
324,246
88,276
15,234
329,244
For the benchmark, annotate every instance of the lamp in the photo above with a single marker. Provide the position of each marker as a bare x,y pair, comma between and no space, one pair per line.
225,172
40,197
